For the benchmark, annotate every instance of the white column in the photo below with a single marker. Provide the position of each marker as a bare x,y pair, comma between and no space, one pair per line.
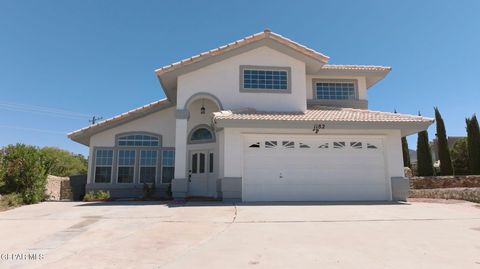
181,148
180,182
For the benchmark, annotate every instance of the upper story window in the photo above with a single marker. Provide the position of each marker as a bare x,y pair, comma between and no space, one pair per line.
261,78
138,140
335,89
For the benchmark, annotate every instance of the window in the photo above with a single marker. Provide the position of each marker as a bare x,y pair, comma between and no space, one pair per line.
126,166
103,165
264,78
335,90
255,145
148,166
210,163
168,165
201,135
304,146
288,144
138,140
356,145
338,145
323,146
270,144
371,146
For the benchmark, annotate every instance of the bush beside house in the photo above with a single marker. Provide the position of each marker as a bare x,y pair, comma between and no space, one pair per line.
24,170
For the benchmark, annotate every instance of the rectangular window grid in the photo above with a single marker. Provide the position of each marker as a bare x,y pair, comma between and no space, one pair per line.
138,140
265,79
126,166
168,165
335,90
148,166
103,165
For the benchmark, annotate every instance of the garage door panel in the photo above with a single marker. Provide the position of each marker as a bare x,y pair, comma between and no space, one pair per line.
315,174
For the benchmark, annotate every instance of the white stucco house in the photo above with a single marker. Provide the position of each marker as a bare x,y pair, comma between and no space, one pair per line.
260,119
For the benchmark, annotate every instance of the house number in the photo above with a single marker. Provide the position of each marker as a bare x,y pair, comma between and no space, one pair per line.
317,127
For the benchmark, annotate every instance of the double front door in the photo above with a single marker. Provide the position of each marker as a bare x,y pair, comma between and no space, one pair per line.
201,168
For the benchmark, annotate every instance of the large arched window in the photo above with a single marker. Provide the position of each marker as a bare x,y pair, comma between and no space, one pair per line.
138,140
201,134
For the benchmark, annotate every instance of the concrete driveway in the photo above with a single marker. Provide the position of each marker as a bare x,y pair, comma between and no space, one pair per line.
216,235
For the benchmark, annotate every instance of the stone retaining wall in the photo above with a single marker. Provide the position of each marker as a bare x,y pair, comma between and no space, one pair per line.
58,188
445,182
466,194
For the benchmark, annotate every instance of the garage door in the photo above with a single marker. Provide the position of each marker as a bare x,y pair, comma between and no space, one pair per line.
317,168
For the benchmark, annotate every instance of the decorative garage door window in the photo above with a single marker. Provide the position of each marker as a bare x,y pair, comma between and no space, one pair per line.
303,146
338,145
312,145
323,146
371,146
356,145
270,144
288,144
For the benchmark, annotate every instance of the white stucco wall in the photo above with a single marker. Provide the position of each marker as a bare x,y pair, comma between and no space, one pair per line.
161,122
222,80
361,84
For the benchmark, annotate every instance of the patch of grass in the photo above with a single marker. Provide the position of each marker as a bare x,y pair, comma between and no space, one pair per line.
9,201
96,196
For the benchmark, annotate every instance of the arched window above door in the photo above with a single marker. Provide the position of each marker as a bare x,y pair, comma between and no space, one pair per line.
201,134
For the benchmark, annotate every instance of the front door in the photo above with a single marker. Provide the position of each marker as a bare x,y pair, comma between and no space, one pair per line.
201,164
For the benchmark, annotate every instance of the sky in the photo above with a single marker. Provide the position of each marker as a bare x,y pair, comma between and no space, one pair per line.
62,62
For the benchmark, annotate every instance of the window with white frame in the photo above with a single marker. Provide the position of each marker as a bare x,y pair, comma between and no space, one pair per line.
126,166
148,166
139,140
103,165
168,165
264,78
335,90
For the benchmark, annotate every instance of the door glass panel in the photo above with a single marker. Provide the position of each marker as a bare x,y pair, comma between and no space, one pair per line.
210,163
194,163
202,163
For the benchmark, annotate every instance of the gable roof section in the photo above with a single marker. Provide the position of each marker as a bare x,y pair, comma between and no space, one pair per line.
327,115
83,135
372,73
168,74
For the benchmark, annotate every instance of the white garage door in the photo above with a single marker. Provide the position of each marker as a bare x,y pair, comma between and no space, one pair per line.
318,168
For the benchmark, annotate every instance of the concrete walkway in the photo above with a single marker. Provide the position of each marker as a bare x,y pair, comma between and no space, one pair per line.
217,235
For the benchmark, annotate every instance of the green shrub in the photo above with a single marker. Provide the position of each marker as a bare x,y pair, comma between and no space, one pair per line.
148,189
103,195
25,171
89,196
65,163
96,196
11,200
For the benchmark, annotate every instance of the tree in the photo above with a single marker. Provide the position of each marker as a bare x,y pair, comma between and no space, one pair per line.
443,151
25,172
460,159
424,155
473,144
65,163
406,153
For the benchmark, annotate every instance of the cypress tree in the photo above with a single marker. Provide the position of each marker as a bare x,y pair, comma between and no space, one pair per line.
424,155
406,153
473,143
442,142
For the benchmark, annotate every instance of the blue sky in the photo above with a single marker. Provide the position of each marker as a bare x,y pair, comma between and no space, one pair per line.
63,61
